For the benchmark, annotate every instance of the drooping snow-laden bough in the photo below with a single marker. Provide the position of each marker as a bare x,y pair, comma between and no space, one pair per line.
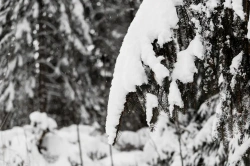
177,55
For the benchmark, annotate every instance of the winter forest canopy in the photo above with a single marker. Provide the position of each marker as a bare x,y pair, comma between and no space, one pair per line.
124,83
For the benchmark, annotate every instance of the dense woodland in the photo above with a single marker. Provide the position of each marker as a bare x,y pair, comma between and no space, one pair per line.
58,57
180,76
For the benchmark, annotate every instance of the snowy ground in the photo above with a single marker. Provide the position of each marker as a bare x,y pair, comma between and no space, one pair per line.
41,144
19,146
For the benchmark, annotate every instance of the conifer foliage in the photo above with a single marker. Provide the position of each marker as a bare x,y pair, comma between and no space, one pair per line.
192,58
47,47
183,71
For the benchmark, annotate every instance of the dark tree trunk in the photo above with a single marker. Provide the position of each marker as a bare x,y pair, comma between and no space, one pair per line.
43,54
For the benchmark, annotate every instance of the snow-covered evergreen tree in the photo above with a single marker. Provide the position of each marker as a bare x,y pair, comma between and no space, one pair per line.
109,21
48,48
189,59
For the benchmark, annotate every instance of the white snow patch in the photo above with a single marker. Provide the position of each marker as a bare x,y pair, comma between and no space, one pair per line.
64,26
221,79
23,26
239,152
42,121
123,159
161,144
151,102
133,139
174,97
197,24
196,8
185,68
204,134
78,12
211,4
31,82
218,111
234,67
228,4
238,8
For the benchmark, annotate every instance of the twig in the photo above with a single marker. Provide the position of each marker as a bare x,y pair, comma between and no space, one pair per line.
5,120
79,143
179,138
111,155
155,147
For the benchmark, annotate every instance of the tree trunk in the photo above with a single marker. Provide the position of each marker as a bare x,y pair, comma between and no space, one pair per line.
42,93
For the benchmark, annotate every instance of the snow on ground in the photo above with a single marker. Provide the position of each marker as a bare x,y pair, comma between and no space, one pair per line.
124,159
161,144
20,145
28,145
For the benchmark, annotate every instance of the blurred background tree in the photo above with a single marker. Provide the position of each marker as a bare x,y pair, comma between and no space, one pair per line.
58,57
